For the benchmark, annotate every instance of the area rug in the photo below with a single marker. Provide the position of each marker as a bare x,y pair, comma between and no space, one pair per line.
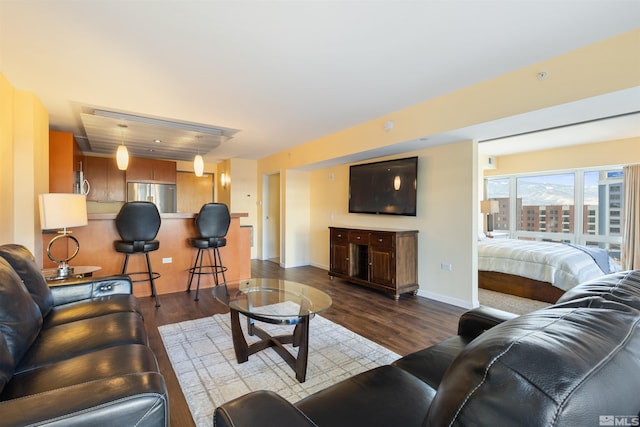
202,356
510,303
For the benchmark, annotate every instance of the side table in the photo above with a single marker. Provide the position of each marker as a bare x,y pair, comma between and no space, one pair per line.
51,274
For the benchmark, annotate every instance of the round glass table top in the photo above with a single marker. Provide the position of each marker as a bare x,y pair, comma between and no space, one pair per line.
276,298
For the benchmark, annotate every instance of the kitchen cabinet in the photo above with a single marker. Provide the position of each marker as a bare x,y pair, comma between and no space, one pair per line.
151,170
382,259
107,182
64,160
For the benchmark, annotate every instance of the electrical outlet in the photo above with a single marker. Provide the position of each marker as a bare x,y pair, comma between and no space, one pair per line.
167,260
446,266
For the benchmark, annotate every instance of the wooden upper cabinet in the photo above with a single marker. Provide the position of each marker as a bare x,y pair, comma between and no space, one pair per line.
107,182
64,159
151,170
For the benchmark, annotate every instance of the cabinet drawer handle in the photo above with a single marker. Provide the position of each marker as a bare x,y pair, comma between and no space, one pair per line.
339,235
358,238
380,240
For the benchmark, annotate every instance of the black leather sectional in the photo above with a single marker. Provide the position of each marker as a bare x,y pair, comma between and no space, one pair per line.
73,355
576,363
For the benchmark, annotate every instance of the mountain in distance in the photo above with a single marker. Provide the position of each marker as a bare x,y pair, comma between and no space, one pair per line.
541,194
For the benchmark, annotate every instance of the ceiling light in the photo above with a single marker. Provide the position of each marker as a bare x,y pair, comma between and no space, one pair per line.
122,155
198,165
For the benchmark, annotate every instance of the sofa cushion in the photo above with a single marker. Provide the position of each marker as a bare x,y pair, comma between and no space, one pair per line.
87,309
555,366
20,318
83,336
24,264
383,396
101,364
430,364
622,287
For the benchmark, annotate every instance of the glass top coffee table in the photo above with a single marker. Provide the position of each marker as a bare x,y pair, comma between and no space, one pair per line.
278,302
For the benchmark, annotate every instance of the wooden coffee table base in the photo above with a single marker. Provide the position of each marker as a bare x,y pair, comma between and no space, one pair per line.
299,338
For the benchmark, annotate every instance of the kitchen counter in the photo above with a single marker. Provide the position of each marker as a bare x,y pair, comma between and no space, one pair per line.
172,260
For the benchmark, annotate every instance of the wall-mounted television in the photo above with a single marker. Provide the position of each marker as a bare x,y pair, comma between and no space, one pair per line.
387,187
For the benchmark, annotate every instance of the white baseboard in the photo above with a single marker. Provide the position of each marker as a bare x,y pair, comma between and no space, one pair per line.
448,300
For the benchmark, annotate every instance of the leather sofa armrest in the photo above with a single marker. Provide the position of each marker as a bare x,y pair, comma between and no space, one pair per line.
135,399
90,288
474,322
263,408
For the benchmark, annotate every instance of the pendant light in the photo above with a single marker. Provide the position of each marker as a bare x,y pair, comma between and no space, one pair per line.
198,165
198,162
122,155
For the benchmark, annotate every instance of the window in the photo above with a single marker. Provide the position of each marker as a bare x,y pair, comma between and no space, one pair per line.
554,194
579,206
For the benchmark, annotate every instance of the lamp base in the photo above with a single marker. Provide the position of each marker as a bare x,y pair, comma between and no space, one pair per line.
64,270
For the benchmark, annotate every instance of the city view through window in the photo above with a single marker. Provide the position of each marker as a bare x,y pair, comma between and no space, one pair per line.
583,207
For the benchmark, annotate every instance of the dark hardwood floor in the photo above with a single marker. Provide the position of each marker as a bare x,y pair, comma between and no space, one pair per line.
403,326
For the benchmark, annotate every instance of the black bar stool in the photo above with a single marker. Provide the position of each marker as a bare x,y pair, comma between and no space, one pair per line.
138,224
212,223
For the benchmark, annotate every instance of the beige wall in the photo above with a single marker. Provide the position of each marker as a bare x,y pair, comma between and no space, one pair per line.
608,153
296,229
25,175
244,196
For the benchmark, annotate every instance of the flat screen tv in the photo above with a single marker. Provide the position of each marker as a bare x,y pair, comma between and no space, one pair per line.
387,187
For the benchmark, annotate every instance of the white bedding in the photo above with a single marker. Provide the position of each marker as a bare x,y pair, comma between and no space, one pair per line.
561,265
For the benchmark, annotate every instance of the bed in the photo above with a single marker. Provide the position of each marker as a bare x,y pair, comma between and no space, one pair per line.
538,270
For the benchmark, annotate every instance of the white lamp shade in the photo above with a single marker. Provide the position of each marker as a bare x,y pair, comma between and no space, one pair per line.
489,206
198,165
122,157
62,210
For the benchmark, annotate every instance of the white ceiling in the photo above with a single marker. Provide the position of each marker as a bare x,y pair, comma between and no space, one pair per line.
276,74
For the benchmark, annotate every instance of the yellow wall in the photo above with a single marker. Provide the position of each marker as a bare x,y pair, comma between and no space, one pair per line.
244,195
26,145
223,193
608,153
6,162
449,219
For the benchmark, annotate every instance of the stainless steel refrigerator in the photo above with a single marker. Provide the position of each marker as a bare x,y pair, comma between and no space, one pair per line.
163,195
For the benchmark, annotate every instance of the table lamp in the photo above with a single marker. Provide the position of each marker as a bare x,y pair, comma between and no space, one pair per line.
62,211
489,207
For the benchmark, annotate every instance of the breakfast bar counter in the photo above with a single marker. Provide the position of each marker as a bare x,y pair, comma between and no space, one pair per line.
172,260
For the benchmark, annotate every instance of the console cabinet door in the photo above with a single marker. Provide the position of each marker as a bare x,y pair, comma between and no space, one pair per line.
382,266
382,259
339,256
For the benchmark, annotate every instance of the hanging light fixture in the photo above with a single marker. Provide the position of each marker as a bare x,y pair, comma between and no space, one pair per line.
198,162
122,155
198,165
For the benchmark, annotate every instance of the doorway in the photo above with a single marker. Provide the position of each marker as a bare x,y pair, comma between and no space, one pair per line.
271,218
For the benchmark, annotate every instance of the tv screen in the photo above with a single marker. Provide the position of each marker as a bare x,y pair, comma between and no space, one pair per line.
387,187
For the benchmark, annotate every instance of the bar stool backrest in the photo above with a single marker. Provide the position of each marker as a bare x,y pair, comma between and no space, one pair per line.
213,220
138,221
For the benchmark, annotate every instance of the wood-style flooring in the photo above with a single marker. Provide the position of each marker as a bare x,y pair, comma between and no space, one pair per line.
403,326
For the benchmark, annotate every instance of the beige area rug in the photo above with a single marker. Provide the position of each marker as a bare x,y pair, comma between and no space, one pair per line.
509,303
201,353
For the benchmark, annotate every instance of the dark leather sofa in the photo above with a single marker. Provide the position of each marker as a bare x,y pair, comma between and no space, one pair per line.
75,354
566,365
